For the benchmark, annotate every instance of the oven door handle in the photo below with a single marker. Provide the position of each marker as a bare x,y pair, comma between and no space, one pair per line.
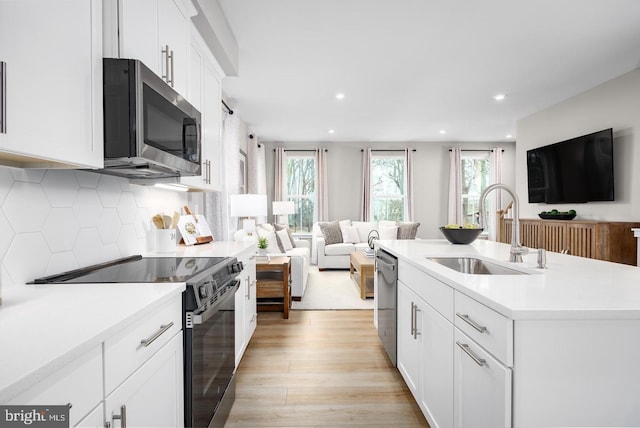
209,312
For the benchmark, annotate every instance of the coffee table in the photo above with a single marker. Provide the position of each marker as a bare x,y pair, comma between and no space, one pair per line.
273,291
361,270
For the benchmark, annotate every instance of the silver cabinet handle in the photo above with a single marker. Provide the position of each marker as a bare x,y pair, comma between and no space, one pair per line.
173,79
472,323
122,416
416,309
413,319
250,284
3,97
148,341
165,52
209,172
479,361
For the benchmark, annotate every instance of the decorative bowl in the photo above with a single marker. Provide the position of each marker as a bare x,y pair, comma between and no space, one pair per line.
557,216
461,236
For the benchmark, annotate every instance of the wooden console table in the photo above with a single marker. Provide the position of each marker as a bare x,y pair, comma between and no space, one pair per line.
602,240
361,270
273,291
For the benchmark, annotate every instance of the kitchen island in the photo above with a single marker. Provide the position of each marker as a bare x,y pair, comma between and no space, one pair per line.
544,347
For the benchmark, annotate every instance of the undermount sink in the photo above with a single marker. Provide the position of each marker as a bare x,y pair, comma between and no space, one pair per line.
474,266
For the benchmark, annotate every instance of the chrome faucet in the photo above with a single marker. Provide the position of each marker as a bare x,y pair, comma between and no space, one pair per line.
517,250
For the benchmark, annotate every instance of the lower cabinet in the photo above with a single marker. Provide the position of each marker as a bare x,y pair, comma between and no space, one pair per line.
482,387
425,356
153,395
246,317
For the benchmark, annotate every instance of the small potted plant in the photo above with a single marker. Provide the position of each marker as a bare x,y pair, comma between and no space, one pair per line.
263,244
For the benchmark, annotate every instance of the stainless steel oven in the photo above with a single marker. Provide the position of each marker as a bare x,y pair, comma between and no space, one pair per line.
208,305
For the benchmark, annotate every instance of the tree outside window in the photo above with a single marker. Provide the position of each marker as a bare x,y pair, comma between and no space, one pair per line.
301,189
387,187
475,178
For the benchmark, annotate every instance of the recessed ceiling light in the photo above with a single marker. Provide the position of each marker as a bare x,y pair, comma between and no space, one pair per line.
331,131
442,131
508,136
499,97
340,95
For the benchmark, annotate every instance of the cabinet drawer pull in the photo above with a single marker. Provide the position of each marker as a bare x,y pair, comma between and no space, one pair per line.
3,97
148,341
479,361
472,323
165,52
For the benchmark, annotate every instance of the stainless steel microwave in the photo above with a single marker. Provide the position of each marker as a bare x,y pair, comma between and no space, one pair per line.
150,131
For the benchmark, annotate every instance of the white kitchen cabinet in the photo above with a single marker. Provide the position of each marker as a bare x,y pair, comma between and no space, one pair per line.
53,83
409,340
156,32
205,93
95,419
246,316
78,383
482,388
153,395
425,355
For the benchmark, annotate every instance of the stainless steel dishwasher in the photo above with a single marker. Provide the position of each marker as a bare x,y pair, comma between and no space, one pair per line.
387,278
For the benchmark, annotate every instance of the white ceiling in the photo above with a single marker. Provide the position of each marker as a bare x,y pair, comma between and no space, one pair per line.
409,68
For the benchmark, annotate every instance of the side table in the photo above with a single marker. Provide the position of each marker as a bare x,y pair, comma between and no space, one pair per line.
273,290
361,270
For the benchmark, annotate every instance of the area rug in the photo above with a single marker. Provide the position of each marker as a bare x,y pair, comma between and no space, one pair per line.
331,289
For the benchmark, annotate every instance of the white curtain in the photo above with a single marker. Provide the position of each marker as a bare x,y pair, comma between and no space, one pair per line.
217,204
365,202
455,187
495,203
280,167
322,210
257,174
408,184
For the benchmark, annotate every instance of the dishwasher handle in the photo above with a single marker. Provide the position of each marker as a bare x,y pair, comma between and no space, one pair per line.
385,265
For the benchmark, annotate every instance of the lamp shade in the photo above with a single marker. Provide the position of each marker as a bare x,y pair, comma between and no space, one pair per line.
283,207
248,205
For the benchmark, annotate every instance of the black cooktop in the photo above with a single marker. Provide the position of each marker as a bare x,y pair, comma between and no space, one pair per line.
136,269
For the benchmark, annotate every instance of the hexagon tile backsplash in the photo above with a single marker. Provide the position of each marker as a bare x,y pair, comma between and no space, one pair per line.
56,220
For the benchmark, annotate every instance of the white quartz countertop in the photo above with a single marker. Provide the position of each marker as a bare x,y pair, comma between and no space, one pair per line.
44,327
571,287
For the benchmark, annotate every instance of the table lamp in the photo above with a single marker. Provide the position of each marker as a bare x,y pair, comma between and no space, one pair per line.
282,209
248,205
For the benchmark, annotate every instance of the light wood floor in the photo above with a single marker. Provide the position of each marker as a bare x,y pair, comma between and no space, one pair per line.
320,369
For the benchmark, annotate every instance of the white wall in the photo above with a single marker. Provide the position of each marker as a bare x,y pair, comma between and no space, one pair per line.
614,104
344,163
56,220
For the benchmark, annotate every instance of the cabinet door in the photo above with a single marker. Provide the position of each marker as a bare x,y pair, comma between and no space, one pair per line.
95,419
153,395
241,342
482,387
437,366
138,32
250,303
410,340
53,83
173,32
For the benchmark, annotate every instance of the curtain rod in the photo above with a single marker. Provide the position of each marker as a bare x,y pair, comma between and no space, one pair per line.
478,150
251,138
227,107
392,150
301,150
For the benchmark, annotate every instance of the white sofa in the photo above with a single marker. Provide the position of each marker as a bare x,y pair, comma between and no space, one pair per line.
300,257
336,255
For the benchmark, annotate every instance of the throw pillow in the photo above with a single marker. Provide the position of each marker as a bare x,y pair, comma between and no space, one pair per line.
283,240
331,232
350,235
388,232
407,230
279,227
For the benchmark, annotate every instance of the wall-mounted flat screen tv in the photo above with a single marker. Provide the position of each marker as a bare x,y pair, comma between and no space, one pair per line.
572,171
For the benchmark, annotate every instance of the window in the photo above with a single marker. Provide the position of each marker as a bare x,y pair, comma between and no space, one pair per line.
301,189
387,187
475,178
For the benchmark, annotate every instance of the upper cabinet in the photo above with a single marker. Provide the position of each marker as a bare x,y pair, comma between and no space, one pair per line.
51,91
204,92
155,32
